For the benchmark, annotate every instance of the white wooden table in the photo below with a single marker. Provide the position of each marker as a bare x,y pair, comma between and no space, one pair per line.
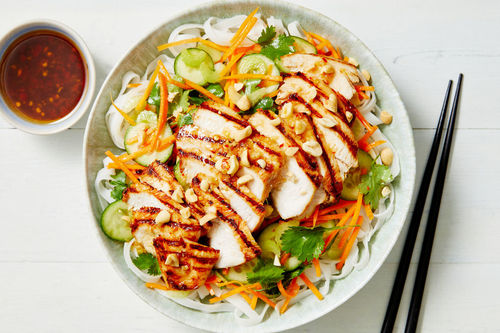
54,276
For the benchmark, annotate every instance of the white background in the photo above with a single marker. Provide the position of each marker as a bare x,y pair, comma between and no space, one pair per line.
54,276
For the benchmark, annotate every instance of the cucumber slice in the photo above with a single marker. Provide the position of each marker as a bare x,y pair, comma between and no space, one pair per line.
334,252
256,64
112,223
292,263
270,238
178,175
239,273
214,54
350,188
195,65
303,46
145,120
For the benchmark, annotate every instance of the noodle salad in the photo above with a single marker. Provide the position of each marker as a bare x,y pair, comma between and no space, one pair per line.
252,171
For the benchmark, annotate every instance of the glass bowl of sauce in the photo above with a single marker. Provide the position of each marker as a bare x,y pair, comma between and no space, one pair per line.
47,77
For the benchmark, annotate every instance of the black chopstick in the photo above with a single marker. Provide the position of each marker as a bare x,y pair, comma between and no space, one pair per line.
430,229
404,263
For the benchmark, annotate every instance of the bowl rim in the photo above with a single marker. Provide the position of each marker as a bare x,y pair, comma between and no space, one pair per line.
85,100
411,172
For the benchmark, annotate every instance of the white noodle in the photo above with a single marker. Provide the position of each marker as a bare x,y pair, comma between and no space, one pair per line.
140,274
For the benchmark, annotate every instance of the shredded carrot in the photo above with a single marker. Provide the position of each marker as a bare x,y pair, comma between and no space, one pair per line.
262,297
362,95
192,40
330,217
113,165
340,224
362,142
234,59
162,115
156,286
133,85
210,289
282,290
285,305
204,91
142,101
369,211
245,296
315,262
341,204
233,292
292,290
354,220
315,216
124,114
122,166
310,39
244,24
284,258
347,249
255,48
164,143
253,76
167,142
228,283
274,93
241,37
366,88
374,144
327,43
311,286
253,305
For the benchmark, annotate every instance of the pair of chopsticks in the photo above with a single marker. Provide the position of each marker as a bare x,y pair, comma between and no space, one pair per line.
425,254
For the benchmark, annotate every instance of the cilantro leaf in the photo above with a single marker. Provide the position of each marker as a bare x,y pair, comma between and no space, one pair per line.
216,89
372,183
154,97
265,273
267,35
304,243
186,118
147,262
195,97
278,47
119,184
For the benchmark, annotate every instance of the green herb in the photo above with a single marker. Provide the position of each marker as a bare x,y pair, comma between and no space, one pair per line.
186,118
303,243
266,103
279,47
372,183
195,97
216,89
119,183
184,100
147,262
251,85
265,273
267,35
296,272
155,97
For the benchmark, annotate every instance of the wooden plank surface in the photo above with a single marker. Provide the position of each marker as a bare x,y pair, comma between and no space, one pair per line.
54,275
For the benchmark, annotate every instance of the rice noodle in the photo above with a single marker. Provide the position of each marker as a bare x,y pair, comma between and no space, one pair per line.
294,29
140,274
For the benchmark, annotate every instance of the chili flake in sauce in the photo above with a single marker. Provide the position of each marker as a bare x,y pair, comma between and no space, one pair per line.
42,76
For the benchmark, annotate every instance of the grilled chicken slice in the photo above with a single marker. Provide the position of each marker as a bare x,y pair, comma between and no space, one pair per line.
218,135
331,127
299,178
339,75
230,233
185,265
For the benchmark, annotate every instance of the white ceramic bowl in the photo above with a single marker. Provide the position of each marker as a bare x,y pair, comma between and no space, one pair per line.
97,141
88,91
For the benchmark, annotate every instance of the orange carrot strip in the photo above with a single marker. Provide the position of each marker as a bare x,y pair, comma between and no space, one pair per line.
204,91
234,59
315,262
282,290
315,216
192,40
311,286
368,134
209,288
310,39
341,204
340,224
369,211
285,305
233,292
113,165
241,37
142,101
162,115
262,297
156,286
253,305
374,144
274,93
347,249
123,113
245,296
133,85
167,142
122,166
243,25
353,220
284,258
366,88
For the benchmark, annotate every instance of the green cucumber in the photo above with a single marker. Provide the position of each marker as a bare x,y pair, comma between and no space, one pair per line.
292,263
257,64
178,175
303,46
145,120
350,188
214,54
239,273
113,224
195,65
270,238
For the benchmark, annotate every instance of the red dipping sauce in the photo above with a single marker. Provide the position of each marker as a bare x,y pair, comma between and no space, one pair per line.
42,76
